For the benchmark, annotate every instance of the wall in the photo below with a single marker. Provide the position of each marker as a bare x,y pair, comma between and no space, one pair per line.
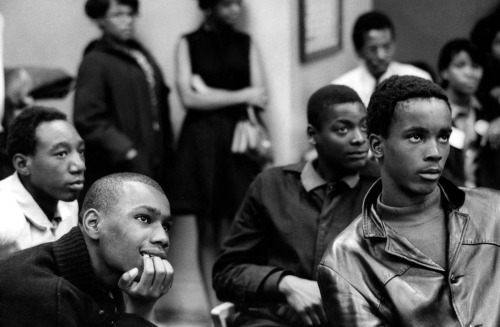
54,33
424,26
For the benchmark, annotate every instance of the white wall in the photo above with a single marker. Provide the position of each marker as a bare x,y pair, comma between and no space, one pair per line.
54,33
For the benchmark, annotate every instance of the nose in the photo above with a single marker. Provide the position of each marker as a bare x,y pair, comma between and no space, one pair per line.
381,53
433,151
160,236
77,163
358,137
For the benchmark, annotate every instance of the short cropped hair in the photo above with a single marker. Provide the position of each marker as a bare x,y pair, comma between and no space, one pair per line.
21,137
325,98
453,48
373,20
207,4
104,193
392,91
96,9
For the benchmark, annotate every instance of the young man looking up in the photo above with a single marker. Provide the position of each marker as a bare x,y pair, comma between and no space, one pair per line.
374,39
423,252
37,202
120,244
291,213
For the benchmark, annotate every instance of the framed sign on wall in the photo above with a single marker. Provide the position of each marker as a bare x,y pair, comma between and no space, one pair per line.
320,24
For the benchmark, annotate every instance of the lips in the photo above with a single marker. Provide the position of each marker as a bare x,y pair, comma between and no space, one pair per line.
155,252
431,174
357,155
77,185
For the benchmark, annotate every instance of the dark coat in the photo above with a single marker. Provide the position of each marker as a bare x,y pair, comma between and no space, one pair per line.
114,112
53,284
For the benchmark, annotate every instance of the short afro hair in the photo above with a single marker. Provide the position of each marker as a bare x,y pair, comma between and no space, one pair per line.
372,20
325,98
96,9
21,136
392,91
104,193
453,48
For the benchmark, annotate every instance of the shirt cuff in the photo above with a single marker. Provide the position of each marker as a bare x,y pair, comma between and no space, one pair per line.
269,286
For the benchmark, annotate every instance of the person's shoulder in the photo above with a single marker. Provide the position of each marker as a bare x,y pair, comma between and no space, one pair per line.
349,76
483,207
349,242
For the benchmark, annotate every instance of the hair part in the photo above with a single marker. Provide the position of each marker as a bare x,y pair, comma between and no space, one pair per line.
96,9
21,136
373,20
326,97
106,191
390,93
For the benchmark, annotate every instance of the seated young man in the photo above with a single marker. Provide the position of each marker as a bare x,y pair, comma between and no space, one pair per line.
291,213
374,38
120,244
423,252
37,202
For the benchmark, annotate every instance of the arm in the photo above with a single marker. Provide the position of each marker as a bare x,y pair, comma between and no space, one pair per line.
212,98
92,115
241,270
343,304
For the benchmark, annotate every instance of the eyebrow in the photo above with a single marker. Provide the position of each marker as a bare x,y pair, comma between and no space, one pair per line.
419,129
66,144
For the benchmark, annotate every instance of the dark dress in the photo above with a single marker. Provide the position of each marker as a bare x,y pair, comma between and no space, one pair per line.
209,180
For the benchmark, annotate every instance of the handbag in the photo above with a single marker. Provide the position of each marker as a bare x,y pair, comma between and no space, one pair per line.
252,139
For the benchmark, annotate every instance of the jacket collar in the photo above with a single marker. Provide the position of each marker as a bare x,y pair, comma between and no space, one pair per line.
31,210
373,226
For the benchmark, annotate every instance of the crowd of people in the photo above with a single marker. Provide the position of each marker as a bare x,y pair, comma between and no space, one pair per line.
395,221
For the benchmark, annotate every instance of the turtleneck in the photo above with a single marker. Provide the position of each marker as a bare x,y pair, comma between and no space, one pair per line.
422,224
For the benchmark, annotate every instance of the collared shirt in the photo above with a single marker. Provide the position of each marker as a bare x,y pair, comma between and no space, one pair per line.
23,223
372,276
286,221
362,81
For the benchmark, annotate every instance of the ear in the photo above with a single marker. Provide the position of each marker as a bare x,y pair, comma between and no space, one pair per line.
376,145
21,164
312,134
91,223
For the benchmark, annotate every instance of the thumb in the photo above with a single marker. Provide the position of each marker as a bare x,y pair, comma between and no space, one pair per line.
127,279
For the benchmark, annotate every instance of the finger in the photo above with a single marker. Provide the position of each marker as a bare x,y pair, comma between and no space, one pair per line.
169,273
127,279
322,315
305,318
311,313
148,273
160,274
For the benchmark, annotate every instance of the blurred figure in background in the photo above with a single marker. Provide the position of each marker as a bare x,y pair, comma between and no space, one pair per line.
475,142
121,107
374,39
38,202
486,36
219,74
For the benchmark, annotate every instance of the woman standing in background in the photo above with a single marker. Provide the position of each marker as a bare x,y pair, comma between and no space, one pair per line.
121,107
219,74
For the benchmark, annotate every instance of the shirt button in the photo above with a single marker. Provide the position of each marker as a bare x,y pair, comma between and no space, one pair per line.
156,126
101,312
453,279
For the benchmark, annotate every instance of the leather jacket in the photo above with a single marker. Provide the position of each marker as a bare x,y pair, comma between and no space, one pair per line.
371,276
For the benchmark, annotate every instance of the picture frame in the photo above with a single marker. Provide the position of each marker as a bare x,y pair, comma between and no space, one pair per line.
320,28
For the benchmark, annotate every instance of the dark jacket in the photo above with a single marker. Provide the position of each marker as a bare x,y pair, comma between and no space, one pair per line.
283,228
114,112
372,276
53,285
